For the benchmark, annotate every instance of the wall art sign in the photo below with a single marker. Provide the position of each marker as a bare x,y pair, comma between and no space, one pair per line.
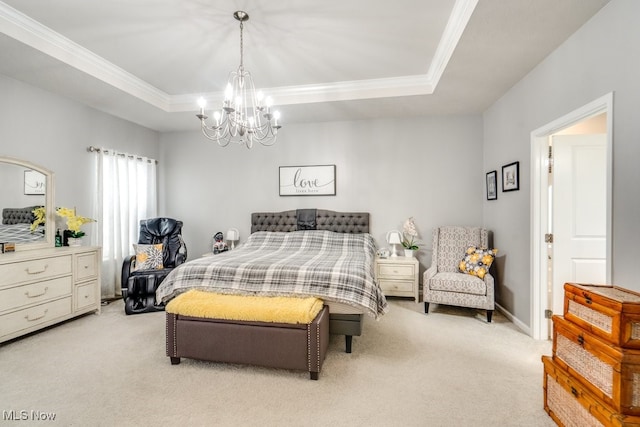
492,185
319,180
34,182
511,177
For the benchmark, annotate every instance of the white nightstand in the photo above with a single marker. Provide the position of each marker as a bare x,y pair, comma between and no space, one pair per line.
398,276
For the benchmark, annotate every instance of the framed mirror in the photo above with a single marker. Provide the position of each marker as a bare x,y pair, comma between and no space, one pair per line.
26,186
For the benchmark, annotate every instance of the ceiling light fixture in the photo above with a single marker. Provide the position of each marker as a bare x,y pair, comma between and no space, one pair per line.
245,115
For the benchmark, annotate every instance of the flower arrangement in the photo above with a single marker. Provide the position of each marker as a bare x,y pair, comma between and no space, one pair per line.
410,235
40,216
74,222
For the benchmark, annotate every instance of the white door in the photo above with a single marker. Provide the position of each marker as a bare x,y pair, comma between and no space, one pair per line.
579,216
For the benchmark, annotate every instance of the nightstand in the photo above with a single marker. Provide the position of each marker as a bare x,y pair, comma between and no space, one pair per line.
398,276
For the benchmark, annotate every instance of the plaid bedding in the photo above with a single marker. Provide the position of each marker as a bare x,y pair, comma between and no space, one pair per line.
20,233
332,266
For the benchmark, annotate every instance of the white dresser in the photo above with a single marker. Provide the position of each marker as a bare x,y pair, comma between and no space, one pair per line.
43,287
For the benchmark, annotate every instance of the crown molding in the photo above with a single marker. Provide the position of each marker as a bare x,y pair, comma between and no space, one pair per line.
26,30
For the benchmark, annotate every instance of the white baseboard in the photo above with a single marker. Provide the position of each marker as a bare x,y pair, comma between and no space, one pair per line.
524,328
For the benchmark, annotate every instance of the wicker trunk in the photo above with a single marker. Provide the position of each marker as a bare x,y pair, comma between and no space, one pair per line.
611,373
609,312
570,403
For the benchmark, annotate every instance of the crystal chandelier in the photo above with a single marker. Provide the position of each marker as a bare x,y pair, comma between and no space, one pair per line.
245,115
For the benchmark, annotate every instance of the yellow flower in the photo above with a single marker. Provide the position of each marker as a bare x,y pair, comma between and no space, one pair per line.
74,222
40,215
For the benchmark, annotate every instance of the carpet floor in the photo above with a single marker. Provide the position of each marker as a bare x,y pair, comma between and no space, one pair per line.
447,368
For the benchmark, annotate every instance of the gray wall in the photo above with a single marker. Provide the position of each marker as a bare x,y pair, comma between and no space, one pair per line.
601,57
55,132
429,168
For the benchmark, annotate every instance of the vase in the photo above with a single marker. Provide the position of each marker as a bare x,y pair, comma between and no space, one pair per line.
409,253
75,241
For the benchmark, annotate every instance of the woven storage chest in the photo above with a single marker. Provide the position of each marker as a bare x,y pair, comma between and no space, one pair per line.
609,372
609,312
570,403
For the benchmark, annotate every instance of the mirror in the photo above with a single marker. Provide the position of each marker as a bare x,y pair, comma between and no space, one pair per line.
25,186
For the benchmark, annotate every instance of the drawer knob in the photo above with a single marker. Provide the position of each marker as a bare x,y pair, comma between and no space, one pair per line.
574,391
580,339
36,318
44,268
44,291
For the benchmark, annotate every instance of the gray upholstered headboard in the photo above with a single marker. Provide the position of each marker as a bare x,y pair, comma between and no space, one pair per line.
310,219
18,215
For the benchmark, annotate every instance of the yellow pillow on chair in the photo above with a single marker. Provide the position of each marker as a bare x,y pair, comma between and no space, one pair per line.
477,261
148,257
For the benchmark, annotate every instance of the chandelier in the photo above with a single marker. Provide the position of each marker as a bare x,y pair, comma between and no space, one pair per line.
245,115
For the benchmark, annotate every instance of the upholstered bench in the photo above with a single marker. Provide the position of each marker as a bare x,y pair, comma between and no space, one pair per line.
277,332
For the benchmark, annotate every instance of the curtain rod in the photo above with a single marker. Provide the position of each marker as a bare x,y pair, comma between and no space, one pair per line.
93,149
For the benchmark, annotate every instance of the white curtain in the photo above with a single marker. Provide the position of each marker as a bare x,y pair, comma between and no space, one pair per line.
126,193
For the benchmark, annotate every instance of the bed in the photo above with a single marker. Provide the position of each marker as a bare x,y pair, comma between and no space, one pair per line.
307,252
16,226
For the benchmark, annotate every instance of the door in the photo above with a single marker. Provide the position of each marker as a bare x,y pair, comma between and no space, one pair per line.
579,213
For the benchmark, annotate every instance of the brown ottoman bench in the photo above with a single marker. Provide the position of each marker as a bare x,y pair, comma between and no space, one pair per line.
206,326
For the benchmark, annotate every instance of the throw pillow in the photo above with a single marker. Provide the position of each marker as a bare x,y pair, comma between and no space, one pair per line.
148,257
477,261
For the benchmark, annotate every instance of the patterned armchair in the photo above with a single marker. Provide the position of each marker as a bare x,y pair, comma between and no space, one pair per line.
443,283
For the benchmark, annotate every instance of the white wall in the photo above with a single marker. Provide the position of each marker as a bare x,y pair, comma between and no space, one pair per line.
602,57
55,132
429,168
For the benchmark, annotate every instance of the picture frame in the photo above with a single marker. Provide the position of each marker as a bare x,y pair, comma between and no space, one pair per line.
312,180
492,185
35,183
511,177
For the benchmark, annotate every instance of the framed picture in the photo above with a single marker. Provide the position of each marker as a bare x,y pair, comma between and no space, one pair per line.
492,185
308,180
511,177
34,182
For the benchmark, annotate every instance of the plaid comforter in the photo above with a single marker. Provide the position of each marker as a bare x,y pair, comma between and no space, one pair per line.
332,266
20,233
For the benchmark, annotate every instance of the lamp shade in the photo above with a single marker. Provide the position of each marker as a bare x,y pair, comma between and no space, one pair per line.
394,237
233,234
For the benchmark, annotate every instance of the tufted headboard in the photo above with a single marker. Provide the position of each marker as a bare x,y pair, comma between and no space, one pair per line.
310,219
18,215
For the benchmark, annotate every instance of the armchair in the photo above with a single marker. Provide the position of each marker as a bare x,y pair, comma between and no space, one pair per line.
143,272
443,283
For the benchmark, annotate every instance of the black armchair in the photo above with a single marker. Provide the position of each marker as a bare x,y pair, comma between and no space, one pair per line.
139,283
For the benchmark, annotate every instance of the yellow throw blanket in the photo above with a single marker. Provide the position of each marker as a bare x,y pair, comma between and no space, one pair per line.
210,305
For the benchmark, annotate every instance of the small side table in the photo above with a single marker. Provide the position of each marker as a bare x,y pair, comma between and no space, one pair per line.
398,276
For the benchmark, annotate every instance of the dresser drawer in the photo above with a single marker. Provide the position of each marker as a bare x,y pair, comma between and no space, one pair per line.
395,271
86,266
86,295
37,269
396,285
34,293
34,316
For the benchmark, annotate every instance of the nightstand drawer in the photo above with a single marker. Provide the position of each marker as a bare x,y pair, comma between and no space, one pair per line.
395,271
396,285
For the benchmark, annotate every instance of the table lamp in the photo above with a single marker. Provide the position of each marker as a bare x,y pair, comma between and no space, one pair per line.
232,236
394,238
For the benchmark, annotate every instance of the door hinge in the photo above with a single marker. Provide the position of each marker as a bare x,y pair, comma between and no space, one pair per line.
550,159
548,238
548,314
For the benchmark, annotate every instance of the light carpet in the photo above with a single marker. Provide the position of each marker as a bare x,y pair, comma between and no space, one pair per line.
447,368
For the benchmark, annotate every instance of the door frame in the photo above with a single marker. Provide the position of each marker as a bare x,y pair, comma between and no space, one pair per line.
540,206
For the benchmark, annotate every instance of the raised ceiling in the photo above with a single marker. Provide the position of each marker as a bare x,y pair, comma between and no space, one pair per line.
148,61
